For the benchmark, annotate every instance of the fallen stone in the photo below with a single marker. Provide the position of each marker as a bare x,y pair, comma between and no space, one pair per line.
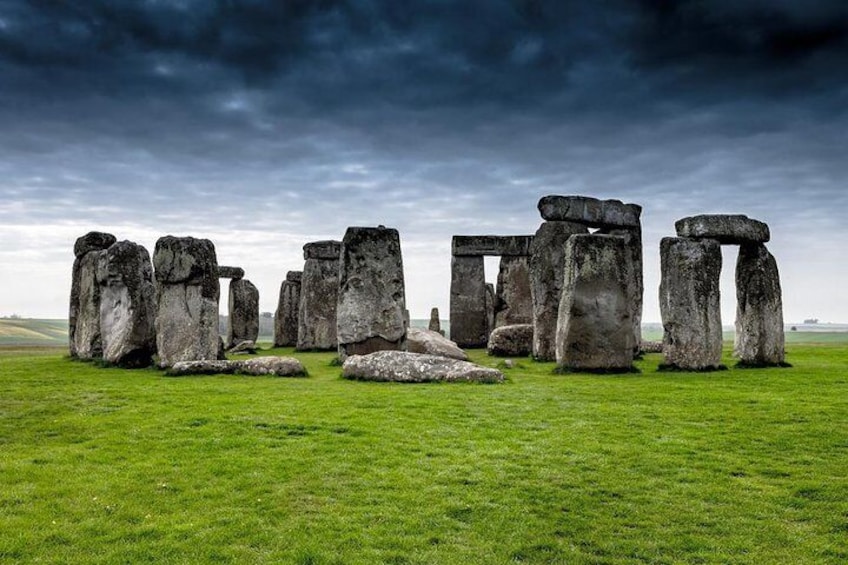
243,347
511,341
127,305
186,271
547,265
727,229
651,347
406,367
759,308
594,331
689,303
513,302
230,273
260,366
433,343
499,245
590,211
271,366
371,314
285,318
243,305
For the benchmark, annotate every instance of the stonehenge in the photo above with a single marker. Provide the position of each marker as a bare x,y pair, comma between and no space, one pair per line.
689,293
371,314
285,318
566,218
186,272
127,305
319,289
84,338
469,311
243,309
594,331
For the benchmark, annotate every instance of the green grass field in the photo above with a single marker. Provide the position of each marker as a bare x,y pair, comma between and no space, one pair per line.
109,466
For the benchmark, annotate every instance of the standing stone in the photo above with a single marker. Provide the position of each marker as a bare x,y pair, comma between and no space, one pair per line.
285,318
127,305
547,266
491,300
84,337
759,308
319,291
243,307
371,313
514,305
594,331
468,321
689,303
635,285
435,324
186,272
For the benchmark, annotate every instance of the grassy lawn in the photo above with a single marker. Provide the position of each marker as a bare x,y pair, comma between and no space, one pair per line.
110,466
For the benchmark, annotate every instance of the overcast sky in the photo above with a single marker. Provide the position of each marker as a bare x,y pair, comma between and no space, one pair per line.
263,125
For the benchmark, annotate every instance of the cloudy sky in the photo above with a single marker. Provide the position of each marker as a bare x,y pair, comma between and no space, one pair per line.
263,125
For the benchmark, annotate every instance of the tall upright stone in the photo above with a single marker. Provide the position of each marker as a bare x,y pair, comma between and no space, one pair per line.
243,309
513,302
547,267
319,291
371,313
469,325
285,318
435,324
759,308
690,303
186,273
491,301
594,331
84,336
635,286
127,305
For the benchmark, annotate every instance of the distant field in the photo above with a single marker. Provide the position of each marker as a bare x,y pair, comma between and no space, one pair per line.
35,332
101,465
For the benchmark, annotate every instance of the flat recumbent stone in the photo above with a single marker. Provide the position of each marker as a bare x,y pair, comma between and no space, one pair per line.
727,229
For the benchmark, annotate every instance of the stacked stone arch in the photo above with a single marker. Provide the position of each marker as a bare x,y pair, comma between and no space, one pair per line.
690,266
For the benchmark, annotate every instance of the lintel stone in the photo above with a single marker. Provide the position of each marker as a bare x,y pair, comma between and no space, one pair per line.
590,211
495,245
727,229
328,249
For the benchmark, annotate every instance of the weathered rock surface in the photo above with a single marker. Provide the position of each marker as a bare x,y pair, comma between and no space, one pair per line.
689,303
243,307
272,366
84,338
513,302
590,211
260,366
93,241
371,313
328,249
511,341
285,318
759,308
727,229
127,305
230,273
243,347
319,292
635,286
651,347
433,343
594,332
406,367
435,324
547,265
469,325
503,245
491,300
186,272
